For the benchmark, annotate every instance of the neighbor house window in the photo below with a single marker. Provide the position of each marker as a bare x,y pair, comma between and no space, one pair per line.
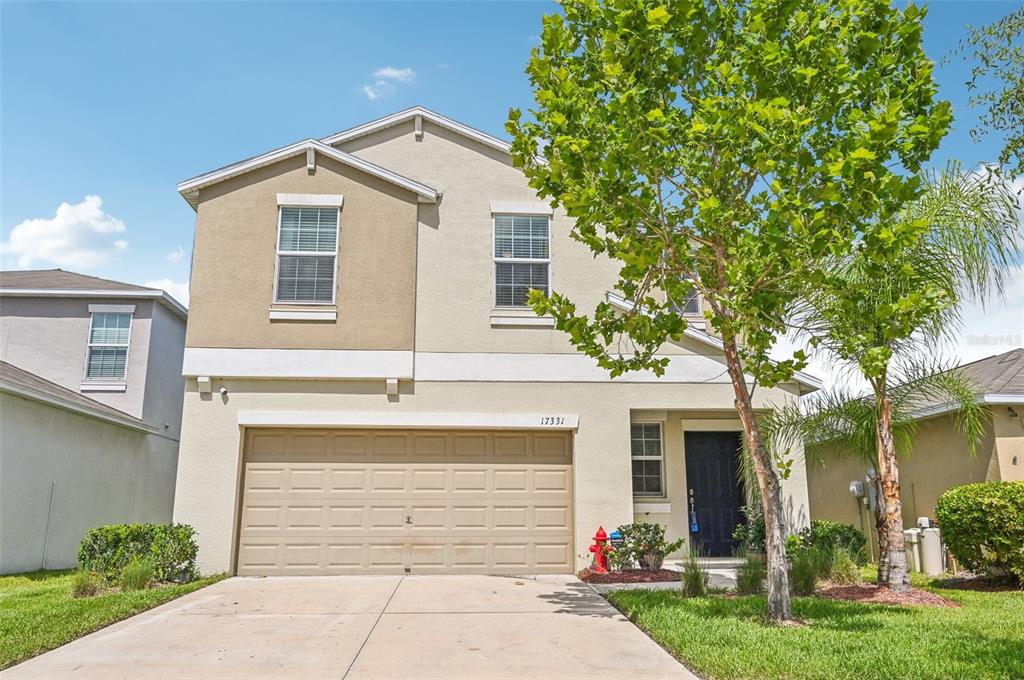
646,450
521,258
307,254
109,334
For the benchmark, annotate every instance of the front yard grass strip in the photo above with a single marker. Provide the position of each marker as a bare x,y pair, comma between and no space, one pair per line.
38,612
726,638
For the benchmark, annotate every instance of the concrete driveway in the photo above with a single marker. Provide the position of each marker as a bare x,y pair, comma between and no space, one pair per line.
360,627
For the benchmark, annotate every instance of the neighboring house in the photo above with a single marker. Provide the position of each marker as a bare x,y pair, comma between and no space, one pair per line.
368,392
940,458
90,410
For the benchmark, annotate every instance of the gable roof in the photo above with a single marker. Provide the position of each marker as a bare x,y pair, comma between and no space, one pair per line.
22,383
189,189
411,114
60,283
997,380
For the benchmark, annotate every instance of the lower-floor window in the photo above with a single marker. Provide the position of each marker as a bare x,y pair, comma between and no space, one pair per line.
647,459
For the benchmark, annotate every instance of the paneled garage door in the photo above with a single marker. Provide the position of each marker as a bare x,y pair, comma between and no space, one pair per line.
405,501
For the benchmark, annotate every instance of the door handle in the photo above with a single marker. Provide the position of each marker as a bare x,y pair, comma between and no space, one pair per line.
408,519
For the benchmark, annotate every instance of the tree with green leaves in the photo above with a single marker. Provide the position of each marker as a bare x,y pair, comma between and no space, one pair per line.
848,421
728,148
881,305
997,82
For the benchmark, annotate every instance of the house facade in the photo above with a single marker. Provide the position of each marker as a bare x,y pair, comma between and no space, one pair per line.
368,393
940,458
90,410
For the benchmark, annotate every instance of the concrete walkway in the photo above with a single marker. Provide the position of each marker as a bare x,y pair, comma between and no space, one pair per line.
362,627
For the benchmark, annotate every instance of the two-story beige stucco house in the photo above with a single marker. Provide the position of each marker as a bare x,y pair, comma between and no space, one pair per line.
368,393
90,410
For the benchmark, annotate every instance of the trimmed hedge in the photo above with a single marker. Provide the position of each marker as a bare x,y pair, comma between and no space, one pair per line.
107,550
983,526
829,535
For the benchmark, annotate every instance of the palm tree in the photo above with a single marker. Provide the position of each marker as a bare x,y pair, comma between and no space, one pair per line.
890,299
840,417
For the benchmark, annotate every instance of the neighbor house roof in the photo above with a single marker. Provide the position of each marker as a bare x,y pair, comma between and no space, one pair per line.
997,380
60,283
22,383
189,189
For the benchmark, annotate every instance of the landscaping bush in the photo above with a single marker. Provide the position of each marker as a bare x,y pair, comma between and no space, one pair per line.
750,534
694,579
750,576
806,566
87,583
107,550
643,543
983,526
844,568
828,535
137,574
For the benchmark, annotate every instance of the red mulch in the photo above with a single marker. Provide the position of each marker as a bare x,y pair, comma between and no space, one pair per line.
869,592
629,576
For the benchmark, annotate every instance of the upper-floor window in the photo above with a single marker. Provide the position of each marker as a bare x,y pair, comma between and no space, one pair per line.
109,334
647,459
307,254
522,258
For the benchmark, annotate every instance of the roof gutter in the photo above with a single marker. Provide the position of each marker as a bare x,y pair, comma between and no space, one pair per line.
158,295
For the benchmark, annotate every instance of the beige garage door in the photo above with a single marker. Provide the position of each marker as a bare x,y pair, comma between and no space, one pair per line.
409,501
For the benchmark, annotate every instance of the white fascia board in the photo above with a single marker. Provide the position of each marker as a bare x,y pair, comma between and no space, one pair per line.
424,113
521,208
446,421
805,379
559,368
317,200
189,188
158,295
1000,399
32,395
323,364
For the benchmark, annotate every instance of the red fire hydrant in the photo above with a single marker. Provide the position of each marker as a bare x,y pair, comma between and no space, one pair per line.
600,550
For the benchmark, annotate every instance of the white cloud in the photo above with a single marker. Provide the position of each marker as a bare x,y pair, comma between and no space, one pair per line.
80,236
386,79
402,75
178,291
175,255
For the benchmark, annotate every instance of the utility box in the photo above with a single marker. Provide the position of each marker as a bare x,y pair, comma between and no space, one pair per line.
931,552
912,543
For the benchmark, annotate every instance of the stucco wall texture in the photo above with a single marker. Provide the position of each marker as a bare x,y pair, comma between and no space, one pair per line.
99,473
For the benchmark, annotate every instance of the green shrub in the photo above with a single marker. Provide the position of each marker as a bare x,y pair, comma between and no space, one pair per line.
829,535
107,550
983,526
694,578
137,574
643,543
750,534
844,568
87,583
806,566
750,576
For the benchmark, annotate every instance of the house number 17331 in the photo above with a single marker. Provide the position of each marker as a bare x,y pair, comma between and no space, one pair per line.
552,420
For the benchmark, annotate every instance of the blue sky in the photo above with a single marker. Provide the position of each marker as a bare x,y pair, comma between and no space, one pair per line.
121,101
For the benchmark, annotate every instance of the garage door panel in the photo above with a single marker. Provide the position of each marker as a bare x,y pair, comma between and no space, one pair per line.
341,501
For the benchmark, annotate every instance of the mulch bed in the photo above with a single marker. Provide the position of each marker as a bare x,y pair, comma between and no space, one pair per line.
868,592
629,576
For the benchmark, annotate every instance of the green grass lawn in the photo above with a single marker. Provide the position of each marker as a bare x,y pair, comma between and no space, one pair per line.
722,638
38,613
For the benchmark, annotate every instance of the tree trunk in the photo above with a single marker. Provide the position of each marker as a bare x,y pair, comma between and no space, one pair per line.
898,576
882,530
779,607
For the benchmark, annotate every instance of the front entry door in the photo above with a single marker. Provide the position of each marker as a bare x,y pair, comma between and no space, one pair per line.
714,491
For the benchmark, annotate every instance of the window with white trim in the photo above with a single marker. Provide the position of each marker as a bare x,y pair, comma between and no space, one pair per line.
522,258
307,254
109,335
647,459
